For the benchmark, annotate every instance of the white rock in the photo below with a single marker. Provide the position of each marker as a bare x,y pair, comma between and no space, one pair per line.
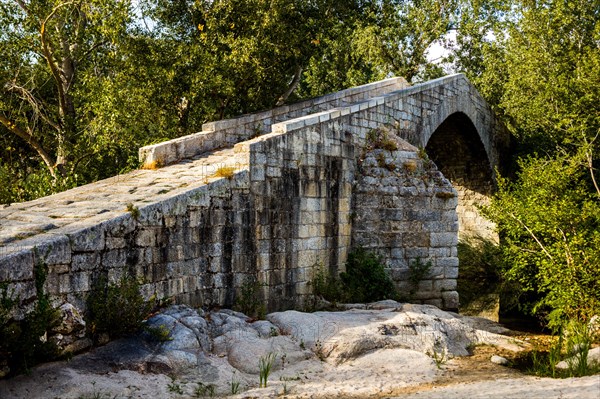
593,357
499,360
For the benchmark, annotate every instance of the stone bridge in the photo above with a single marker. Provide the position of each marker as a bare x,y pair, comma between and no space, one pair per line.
273,197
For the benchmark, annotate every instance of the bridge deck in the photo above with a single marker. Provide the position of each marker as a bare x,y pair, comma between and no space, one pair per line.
109,198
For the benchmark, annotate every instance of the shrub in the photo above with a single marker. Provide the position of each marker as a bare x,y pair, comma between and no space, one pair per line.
116,309
365,279
23,343
250,300
380,138
329,287
225,171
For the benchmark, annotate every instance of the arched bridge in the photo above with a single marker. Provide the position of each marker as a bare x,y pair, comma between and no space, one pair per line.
272,197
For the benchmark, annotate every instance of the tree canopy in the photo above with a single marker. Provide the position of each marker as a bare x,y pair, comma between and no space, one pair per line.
84,83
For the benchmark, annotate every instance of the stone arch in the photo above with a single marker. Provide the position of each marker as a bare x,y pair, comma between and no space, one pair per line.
457,148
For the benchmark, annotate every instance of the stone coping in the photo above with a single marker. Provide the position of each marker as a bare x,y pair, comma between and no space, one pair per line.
231,131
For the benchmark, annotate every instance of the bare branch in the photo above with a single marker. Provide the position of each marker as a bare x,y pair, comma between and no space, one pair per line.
35,103
293,85
46,47
534,236
10,125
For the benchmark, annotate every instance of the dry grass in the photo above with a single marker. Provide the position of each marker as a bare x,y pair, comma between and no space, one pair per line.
225,171
153,165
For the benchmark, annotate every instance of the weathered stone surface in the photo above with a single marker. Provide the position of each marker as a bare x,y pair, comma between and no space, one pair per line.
71,320
271,207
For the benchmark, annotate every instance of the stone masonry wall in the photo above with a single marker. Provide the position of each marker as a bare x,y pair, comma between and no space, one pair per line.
286,211
232,131
405,211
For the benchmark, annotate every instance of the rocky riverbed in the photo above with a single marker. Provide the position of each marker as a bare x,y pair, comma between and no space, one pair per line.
385,349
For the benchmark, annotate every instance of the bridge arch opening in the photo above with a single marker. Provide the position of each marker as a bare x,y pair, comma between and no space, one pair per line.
457,150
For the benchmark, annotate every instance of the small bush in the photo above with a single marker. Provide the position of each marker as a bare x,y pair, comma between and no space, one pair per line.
364,280
329,287
380,138
116,309
23,343
249,300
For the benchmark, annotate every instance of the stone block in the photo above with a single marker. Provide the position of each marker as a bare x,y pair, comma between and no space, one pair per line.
145,237
88,239
444,285
85,261
114,258
451,272
450,300
80,282
16,266
448,262
115,243
434,302
56,250
444,239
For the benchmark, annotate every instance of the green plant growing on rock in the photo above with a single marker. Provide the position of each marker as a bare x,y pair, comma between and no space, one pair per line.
249,299
133,210
117,309
159,333
234,385
175,387
417,271
265,365
438,354
23,343
365,278
380,138
204,390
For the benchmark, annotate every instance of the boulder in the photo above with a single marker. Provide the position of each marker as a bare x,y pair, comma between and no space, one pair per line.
592,358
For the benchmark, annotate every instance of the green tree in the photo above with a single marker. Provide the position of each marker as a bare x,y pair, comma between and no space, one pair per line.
541,72
51,51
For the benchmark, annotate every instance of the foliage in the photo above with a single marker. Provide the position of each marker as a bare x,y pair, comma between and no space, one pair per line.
160,333
250,300
328,286
203,390
365,278
265,364
539,67
549,220
380,138
24,343
85,83
572,345
225,171
234,385
117,309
